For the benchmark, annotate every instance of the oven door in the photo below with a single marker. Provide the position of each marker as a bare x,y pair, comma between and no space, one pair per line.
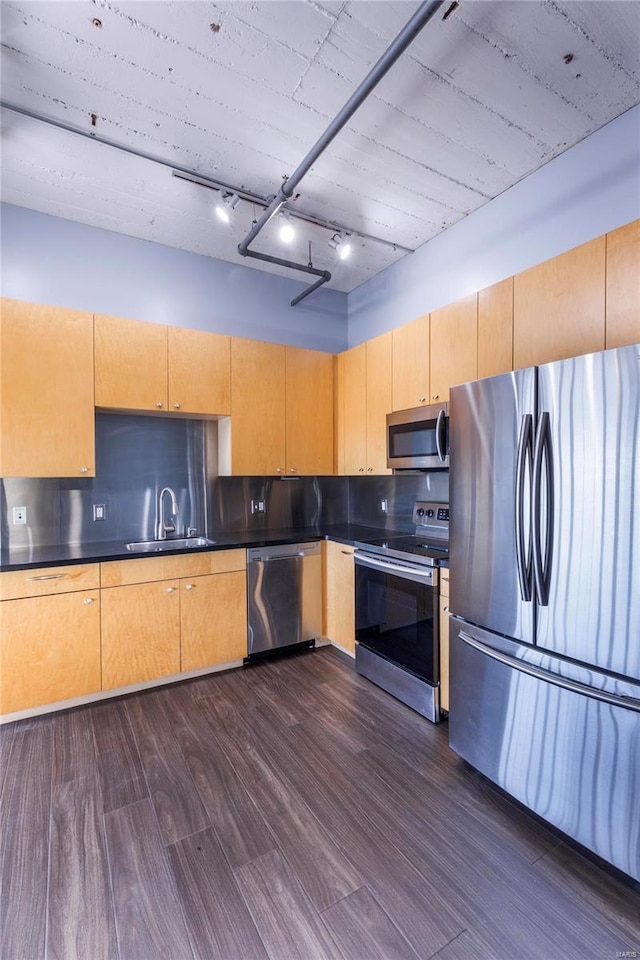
397,613
418,439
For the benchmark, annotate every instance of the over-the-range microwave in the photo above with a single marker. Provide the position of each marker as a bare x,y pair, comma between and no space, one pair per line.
418,438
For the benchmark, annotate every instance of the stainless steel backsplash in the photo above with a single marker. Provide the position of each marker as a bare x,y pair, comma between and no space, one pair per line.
137,456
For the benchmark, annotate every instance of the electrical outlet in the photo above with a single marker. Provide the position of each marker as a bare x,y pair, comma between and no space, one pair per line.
99,511
258,506
384,505
19,514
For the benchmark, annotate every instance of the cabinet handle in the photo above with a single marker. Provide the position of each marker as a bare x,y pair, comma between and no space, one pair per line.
360,469
47,576
87,601
190,586
293,470
171,589
278,469
84,469
347,553
436,396
369,469
176,406
421,399
446,609
159,403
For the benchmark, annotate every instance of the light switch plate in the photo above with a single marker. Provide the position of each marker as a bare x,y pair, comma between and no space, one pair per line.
99,511
19,514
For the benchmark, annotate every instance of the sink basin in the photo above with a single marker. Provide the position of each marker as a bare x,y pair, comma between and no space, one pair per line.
160,546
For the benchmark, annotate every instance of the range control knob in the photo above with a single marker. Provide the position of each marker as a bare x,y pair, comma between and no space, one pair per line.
420,511
429,513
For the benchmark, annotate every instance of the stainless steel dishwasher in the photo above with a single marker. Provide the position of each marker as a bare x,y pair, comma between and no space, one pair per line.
284,597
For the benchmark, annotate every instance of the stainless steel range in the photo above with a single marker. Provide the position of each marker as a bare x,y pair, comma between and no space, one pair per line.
397,609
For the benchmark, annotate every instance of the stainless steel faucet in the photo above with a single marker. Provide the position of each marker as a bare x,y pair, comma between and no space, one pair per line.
162,527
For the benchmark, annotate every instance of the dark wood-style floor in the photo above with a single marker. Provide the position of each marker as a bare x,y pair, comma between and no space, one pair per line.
290,811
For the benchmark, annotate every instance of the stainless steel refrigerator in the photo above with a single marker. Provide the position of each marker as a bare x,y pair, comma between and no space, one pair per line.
545,592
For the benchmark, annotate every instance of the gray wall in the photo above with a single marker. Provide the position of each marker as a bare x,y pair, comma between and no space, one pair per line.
49,260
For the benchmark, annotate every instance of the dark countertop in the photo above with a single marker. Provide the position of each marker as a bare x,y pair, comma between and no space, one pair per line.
24,558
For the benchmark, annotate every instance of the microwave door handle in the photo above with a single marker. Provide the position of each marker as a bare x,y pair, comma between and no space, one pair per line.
439,434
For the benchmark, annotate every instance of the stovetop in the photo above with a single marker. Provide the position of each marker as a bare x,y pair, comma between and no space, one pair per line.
428,546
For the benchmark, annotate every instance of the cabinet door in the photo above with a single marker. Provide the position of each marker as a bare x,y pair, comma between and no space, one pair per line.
454,346
353,416
623,286
558,307
379,400
213,618
130,364
495,329
199,372
339,595
257,407
50,649
140,633
411,364
309,411
46,392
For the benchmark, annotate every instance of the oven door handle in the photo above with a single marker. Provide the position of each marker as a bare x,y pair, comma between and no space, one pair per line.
418,574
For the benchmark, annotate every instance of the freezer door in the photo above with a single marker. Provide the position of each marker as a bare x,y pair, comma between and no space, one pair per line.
491,430
563,740
590,525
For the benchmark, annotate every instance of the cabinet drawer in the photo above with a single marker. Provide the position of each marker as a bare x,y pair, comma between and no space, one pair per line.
16,584
119,573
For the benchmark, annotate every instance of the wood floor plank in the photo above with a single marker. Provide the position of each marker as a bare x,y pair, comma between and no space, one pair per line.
322,869
361,929
121,773
173,793
24,828
219,923
74,747
80,921
240,827
149,918
287,922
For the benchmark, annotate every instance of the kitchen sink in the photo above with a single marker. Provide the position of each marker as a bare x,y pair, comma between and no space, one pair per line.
160,546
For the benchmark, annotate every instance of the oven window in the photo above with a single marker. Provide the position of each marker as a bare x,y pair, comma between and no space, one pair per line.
397,619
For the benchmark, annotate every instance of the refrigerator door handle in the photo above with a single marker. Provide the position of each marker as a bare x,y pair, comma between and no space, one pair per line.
442,453
630,703
542,562
524,453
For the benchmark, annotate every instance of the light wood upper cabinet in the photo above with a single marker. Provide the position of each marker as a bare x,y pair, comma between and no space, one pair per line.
309,414
623,286
411,364
199,372
49,649
47,424
130,364
495,329
339,592
454,346
365,396
558,306
257,407
379,400
352,416
213,620
140,632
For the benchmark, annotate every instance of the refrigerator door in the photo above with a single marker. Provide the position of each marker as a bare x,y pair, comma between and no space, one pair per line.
491,431
589,541
561,739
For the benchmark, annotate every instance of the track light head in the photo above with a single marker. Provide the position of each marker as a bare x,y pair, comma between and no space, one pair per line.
225,205
340,244
287,230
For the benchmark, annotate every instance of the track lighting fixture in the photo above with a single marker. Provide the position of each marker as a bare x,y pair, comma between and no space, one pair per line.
341,245
225,205
287,230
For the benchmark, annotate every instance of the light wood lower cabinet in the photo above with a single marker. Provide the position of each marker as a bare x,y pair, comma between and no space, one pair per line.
213,620
140,632
339,595
444,639
49,649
